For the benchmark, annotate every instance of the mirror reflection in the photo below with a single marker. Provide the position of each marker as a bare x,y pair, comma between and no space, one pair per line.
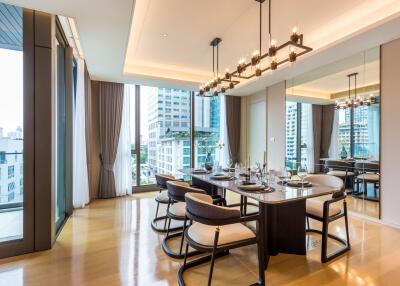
333,126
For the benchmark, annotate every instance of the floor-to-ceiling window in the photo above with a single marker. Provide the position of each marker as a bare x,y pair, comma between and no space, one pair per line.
11,123
207,132
163,124
298,134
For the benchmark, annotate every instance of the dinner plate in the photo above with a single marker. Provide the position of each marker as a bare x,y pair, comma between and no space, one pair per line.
220,177
299,184
252,187
199,171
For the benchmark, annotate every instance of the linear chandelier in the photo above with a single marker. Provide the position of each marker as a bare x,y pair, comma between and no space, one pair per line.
259,62
356,101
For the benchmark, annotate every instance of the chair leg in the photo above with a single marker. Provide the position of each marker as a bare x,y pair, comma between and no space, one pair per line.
365,188
324,246
183,236
346,223
308,223
214,254
166,218
158,205
169,225
186,254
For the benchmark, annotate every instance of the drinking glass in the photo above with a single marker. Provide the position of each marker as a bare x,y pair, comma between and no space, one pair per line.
302,173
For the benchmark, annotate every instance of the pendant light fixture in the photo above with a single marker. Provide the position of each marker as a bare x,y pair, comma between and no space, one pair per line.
259,62
219,84
355,101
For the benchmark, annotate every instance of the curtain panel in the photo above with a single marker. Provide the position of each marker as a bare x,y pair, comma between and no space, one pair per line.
80,166
111,97
322,117
233,111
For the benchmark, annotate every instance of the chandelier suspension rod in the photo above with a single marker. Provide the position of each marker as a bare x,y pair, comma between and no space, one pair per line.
269,19
260,27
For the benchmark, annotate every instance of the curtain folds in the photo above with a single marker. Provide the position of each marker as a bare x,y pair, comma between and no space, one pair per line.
80,184
224,153
317,133
233,111
123,168
322,117
328,114
333,148
111,97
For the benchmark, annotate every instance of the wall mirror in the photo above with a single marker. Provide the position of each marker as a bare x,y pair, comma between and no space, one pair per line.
333,126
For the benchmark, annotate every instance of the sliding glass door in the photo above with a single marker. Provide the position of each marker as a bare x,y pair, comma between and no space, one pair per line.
16,138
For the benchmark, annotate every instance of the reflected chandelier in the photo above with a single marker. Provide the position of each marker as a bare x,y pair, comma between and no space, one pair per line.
259,62
356,101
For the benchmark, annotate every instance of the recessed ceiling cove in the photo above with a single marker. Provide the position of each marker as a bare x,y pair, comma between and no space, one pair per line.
169,40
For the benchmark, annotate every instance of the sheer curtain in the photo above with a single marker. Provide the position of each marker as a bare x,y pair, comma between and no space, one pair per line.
333,148
224,152
123,168
307,109
80,184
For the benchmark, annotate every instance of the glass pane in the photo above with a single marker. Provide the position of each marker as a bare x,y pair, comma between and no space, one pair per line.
60,135
291,134
132,110
11,123
165,116
208,141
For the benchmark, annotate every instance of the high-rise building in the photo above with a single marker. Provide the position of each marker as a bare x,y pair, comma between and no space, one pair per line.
11,166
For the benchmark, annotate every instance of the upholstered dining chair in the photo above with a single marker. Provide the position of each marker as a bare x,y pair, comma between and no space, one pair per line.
341,169
367,173
327,211
161,198
216,230
176,210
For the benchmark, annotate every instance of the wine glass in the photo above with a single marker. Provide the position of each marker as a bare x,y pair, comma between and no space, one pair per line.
302,173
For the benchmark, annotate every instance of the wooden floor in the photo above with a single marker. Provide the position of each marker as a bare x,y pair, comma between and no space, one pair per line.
111,243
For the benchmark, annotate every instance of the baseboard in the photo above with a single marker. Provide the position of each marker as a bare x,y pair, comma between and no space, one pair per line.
371,219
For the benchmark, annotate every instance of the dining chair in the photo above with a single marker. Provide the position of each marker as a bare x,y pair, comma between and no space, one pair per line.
216,230
327,211
161,198
341,169
176,210
367,173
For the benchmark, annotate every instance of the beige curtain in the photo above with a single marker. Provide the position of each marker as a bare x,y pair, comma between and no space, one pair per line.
317,133
322,116
111,97
233,112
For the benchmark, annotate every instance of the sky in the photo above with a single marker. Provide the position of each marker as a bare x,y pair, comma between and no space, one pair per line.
11,90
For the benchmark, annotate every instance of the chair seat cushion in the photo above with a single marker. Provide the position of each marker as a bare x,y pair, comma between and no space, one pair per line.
316,207
178,209
369,177
162,197
340,173
204,234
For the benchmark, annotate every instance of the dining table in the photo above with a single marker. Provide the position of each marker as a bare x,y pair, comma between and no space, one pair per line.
282,210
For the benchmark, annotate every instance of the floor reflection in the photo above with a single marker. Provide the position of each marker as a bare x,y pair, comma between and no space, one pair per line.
111,243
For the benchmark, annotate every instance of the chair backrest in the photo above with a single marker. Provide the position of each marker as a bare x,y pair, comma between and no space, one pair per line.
370,167
340,165
162,180
199,207
329,181
178,189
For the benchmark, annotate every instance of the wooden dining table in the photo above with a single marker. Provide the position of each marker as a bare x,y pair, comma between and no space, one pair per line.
282,212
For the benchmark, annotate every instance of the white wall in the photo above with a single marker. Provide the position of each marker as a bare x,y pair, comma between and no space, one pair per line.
256,127
276,126
390,132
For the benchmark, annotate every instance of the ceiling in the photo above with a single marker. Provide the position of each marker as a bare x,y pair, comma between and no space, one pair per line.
166,43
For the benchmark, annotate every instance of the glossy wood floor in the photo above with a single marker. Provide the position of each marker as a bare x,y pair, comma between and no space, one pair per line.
111,243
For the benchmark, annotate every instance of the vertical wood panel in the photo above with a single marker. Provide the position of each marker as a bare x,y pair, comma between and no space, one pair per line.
390,136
